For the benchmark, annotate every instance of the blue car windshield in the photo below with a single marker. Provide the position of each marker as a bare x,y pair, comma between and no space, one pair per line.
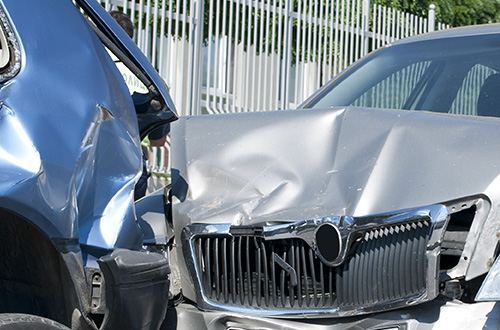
454,75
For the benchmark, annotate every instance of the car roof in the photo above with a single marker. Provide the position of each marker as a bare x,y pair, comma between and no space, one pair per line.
464,31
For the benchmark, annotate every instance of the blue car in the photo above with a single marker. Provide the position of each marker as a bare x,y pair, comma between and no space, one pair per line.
70,158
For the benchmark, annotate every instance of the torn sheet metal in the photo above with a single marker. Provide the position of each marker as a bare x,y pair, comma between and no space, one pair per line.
271,167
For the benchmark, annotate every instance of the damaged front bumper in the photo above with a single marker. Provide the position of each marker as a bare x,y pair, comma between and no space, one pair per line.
436,314
126,278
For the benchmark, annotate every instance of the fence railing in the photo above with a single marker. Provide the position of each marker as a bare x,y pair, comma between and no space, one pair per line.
252,55
221,56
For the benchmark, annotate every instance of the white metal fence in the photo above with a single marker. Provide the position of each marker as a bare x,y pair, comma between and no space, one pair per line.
252,55
222,56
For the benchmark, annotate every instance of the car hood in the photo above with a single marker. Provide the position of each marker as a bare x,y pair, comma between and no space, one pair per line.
295,165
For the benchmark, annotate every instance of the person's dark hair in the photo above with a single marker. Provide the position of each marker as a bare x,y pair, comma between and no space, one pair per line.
124,21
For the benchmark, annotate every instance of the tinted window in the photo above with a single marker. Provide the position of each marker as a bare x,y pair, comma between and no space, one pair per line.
442,75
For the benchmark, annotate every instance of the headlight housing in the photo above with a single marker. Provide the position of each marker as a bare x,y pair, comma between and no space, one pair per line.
490,289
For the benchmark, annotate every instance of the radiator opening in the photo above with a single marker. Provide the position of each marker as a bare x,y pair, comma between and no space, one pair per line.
455,237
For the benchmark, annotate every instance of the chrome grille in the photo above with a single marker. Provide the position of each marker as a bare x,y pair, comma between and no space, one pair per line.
382,265
388,265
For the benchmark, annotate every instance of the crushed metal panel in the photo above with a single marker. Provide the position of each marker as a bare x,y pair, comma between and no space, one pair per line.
297,165
73,107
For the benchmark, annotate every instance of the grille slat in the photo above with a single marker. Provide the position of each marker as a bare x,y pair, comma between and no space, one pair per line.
241,271
331,281
421,260
249,274
258,294
217,270
364,286
371,280
379,260
382,265
273,277
322,281
225,271
392,263
402,264
313,277
304,274
384,269
414,254
208,270
266,274
409,255
356,277
299,276
233,271
291,287
282,283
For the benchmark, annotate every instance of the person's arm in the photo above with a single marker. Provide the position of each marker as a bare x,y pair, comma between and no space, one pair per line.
158,136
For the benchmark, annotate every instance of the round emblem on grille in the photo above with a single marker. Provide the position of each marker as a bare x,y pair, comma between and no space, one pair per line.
328,242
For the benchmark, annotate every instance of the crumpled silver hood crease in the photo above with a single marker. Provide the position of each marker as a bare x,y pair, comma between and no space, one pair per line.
307,164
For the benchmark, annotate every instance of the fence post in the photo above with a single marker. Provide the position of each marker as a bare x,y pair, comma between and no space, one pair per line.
193,106
287,51
432,17
365,26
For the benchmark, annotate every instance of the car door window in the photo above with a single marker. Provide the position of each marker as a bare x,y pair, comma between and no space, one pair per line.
467,97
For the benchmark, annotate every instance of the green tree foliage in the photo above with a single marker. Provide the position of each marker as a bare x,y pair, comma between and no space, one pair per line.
453,12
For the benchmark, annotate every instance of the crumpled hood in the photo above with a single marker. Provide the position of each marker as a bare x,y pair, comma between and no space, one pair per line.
295,165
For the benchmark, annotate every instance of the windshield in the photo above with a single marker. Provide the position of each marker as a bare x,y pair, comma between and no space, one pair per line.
458,75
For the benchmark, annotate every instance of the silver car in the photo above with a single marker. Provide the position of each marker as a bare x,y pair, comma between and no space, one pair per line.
71,248
374,205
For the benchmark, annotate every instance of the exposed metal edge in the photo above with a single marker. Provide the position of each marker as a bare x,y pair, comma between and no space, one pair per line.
14,65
